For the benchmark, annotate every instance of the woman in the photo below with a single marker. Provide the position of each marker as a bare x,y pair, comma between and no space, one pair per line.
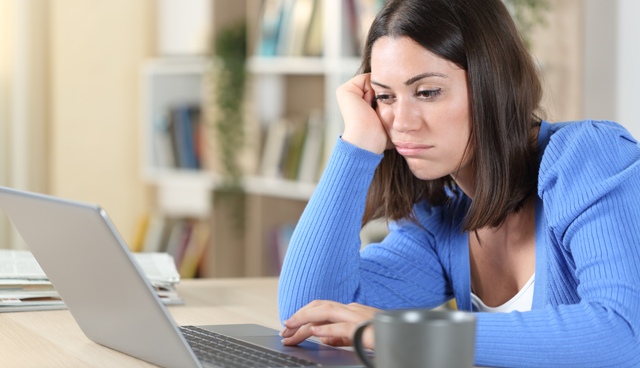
484,198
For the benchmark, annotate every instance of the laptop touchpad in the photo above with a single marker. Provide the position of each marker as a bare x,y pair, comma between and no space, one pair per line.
306,350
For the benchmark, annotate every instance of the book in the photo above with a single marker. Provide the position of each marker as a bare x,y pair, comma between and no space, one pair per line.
199,138
290,28
195,249
285,27
175,233
185,237
268,30
274,148
175,237
312,148
174,138
351,39
366,11
300,22
166,233
285,232
291,162
154,234
184,137
19,267
158,267
139,233
315,38
25,287
280,239
185,128
191,116
162,150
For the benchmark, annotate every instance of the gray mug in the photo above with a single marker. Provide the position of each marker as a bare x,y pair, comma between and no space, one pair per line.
420,338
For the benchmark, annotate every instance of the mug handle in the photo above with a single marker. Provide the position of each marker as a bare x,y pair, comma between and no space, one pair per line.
357,344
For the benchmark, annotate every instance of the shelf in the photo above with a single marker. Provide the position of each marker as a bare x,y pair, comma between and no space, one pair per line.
286,65
302,65
348,66
176,65
205,178
258,65
272,187
280,188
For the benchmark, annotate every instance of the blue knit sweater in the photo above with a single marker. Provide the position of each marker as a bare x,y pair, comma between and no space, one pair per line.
586,304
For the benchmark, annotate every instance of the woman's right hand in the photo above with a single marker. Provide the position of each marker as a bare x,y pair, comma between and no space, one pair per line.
362,125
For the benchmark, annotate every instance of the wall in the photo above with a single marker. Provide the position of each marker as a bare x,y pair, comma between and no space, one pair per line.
628,66
612,56
600,50
23,102
96,50
5,66
558,47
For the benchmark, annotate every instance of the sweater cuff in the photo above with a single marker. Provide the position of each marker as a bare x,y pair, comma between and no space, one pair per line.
347,176
356,157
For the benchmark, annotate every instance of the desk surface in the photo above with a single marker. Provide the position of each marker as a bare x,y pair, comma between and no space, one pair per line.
53,339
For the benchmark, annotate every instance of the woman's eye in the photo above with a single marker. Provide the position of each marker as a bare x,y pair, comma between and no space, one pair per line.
384,98
429,93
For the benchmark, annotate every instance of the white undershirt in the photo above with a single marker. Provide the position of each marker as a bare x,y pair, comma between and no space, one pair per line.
521,302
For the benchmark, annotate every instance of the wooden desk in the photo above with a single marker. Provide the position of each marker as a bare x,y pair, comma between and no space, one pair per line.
53,339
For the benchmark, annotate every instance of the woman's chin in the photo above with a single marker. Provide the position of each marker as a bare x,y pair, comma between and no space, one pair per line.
427,173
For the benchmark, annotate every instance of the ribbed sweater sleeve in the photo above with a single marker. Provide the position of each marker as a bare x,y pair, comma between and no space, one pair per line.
590,185
324,260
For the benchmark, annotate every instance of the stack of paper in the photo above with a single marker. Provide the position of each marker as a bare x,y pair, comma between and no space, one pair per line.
161,271
25,287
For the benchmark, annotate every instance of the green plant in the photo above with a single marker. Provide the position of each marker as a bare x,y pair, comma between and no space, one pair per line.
229,78
231,54
528,14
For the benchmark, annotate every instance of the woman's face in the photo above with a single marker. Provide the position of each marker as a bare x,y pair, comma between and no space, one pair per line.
423,103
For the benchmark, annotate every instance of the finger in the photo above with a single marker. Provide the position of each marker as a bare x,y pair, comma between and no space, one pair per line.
313,304
369,93
368,338
325,312
301,334
363,308
342,330
357,85
288,332
335,341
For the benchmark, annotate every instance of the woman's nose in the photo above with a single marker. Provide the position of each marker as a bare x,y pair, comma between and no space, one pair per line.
406,117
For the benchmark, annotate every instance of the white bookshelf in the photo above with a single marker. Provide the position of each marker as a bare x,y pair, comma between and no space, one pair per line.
166,82
173,81
302,65
286,65
252,184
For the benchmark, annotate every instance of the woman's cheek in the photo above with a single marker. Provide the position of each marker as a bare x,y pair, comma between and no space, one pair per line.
385,113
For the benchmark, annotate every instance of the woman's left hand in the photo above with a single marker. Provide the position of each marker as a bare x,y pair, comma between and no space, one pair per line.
334,323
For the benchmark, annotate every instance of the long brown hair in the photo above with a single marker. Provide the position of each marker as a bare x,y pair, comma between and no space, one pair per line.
504,96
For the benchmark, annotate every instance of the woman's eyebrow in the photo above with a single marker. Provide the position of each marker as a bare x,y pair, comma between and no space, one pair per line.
413,80
380,84
422,76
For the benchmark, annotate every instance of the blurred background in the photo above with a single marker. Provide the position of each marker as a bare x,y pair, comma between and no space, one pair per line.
202,126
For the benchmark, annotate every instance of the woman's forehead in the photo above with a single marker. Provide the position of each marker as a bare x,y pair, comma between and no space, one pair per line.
403,58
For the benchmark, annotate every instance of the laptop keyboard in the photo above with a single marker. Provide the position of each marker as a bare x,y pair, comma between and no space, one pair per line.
228,352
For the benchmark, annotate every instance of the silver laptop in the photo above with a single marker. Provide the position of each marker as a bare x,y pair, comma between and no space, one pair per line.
114,304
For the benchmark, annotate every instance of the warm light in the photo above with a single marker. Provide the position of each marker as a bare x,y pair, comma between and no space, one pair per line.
5,45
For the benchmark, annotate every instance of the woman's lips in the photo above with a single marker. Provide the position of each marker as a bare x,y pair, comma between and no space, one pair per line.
410,149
